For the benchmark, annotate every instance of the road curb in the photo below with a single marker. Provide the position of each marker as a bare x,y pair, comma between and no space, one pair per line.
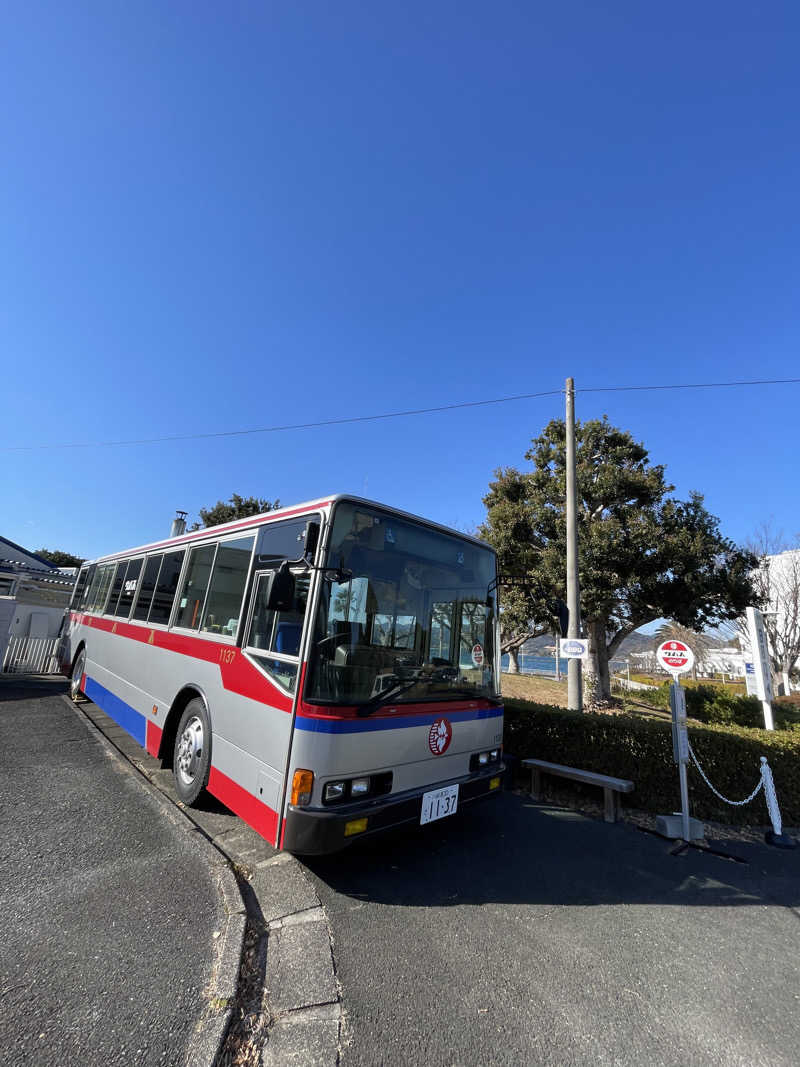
277,924
209,1034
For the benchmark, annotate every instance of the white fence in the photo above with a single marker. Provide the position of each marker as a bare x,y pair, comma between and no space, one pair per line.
31,655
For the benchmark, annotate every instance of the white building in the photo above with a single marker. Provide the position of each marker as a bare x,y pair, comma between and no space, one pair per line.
778,579
33,594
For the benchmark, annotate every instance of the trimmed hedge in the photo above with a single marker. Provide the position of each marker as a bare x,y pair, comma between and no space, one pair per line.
712,704
627,746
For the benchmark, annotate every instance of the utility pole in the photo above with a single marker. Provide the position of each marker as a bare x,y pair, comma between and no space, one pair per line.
574,667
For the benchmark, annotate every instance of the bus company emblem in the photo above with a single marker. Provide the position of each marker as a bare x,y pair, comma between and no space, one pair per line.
440,736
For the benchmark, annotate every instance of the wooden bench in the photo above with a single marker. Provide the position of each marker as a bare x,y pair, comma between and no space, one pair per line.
611,787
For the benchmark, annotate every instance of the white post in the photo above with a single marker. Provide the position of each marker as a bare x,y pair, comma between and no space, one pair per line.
759,649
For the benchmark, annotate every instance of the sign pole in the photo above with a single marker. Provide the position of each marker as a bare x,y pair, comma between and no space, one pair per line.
678,704
574,676
677,658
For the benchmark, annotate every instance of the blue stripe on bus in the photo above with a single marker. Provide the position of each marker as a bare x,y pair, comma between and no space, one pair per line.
123,714
355,726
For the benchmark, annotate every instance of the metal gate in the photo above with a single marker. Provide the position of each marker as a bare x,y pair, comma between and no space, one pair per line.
31,655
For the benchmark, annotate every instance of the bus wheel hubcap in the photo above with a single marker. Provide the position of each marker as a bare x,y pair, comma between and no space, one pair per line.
190,749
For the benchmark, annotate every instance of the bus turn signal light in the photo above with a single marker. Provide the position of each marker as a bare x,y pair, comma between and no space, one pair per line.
302,784
355,826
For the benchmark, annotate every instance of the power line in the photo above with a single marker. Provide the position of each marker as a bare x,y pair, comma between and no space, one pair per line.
394,414
692,385
281,429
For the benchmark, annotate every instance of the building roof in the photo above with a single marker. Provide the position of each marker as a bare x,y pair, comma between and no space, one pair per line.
6,543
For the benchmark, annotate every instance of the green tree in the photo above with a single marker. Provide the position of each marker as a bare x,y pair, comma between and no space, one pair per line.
643,555
238,507
59,558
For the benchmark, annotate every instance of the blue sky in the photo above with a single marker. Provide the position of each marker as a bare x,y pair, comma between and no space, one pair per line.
216,217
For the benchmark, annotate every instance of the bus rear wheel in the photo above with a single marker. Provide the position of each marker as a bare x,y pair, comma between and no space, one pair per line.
191,762
76,675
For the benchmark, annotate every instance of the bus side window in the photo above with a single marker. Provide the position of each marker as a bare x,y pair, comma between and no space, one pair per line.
278,541
143,601
116,586
128,588
166,587
84,601
80,588
98,592
195,586
278,631
226,588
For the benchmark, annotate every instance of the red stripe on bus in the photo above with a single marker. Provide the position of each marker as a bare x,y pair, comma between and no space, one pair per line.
396,711
254,812
238,673
153,738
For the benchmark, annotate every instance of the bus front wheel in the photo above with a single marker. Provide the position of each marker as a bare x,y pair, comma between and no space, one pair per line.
192,756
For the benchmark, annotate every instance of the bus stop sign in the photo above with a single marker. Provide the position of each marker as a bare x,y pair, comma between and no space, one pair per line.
675,657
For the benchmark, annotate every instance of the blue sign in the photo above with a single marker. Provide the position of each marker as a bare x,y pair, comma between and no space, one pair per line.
573,649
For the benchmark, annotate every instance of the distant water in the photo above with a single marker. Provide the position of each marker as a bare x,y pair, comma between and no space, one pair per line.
547,665
537,664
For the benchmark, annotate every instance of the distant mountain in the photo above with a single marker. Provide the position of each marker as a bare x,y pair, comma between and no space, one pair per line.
635,642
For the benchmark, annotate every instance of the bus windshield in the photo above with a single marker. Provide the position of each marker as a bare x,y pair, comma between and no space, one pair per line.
406,614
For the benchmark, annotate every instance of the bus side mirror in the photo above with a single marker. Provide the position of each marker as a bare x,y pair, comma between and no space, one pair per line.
311,538
280,593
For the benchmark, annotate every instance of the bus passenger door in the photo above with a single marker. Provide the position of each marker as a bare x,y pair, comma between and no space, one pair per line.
260,728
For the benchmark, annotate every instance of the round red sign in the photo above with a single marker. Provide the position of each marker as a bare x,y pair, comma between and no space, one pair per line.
477,655
440,736
675,656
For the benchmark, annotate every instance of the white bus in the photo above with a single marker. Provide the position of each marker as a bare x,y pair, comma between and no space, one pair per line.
326,671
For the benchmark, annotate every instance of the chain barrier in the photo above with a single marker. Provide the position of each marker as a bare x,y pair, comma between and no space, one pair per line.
770,796
736,803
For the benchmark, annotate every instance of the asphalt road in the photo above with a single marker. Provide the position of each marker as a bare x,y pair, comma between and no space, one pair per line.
107,911
521,934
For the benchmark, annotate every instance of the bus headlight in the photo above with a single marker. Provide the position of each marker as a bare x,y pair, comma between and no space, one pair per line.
334,791
359,787
483,760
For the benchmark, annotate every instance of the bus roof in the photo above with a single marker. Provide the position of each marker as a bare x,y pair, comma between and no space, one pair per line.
281,513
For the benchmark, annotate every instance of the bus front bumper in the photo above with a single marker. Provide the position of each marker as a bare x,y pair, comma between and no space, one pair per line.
315,831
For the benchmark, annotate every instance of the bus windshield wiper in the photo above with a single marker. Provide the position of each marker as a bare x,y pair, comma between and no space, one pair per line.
385,698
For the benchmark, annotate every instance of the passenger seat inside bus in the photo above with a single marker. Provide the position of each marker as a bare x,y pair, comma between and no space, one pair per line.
287,638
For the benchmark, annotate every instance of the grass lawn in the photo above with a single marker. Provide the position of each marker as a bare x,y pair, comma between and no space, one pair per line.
532,687
548,691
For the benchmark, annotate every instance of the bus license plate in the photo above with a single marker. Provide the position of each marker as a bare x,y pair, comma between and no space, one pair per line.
439,803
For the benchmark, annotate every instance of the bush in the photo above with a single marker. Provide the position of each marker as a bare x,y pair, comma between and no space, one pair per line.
627,746
713,704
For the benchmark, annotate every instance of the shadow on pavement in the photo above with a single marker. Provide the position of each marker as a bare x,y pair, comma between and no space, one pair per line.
30,686
512,850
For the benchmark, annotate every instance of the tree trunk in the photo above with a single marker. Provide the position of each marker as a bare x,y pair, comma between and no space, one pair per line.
598,680
513,661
